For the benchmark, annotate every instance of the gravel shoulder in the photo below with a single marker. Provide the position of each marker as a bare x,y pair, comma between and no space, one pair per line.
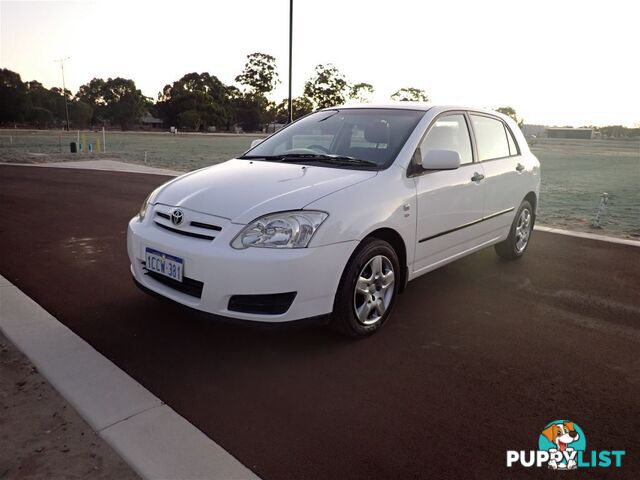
41,435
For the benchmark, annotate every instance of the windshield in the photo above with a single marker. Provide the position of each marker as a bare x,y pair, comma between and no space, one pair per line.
372,136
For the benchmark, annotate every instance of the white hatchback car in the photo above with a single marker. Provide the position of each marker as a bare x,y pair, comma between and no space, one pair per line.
330,217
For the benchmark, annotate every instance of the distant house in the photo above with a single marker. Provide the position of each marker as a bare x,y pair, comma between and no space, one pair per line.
150,121
566,132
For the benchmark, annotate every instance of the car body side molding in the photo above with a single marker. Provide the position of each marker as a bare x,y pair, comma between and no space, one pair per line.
483,219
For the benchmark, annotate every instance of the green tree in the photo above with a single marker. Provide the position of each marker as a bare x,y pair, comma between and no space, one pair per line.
40,117
250,110
361,92
58,98
190,120
92,94
80,114
251,107
124,103
301,106
40,97
327,88
51,100
259,75
200,92
511,112
13,97
410,94
614,131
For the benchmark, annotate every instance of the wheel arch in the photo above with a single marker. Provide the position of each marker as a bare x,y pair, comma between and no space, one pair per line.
393,238
533,200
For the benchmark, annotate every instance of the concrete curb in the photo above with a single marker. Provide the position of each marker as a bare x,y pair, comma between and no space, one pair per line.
152,438
591,236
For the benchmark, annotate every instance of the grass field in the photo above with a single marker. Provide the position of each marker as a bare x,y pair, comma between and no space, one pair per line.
181,152
574,172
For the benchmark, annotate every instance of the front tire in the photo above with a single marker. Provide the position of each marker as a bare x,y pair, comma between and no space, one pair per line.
519,234
367,290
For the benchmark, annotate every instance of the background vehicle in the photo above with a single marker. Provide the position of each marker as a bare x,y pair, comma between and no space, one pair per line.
336,212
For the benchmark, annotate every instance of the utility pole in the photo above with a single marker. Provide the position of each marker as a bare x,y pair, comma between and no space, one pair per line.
64,89
290,56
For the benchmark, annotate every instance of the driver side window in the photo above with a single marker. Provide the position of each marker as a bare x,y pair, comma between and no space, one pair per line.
449,132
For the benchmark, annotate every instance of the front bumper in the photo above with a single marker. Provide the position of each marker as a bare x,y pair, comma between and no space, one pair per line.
312,273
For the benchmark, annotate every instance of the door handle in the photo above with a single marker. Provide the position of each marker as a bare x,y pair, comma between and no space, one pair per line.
477,177
519,167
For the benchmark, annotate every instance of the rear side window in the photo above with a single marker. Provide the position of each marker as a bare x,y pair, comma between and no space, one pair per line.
491,138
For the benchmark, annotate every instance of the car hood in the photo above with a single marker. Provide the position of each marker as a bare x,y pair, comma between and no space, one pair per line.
242,190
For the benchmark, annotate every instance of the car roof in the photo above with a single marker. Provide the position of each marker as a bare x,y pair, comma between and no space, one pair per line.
423,106
395,105
420,106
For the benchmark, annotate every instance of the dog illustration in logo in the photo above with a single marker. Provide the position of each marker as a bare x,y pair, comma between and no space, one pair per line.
562,435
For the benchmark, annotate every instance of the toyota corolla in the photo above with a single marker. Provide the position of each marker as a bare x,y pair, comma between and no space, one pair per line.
330,217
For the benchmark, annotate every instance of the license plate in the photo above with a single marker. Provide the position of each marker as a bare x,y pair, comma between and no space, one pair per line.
164,264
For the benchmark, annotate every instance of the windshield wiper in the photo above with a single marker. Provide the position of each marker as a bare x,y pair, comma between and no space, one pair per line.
261,157
327,158
312,157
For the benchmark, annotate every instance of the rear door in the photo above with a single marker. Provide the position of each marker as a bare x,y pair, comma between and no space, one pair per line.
501,161
449,202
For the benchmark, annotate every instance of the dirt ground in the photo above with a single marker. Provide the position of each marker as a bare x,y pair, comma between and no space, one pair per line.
41,436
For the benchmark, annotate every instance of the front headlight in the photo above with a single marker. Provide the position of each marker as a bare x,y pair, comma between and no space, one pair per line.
280,230
145,205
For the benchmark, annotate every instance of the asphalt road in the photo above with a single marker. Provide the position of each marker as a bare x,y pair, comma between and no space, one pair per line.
478,357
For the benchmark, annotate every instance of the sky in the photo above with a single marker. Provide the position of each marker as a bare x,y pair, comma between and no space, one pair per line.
559,62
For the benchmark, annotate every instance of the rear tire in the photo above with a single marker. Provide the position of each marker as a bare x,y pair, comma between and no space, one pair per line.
367,290
519,234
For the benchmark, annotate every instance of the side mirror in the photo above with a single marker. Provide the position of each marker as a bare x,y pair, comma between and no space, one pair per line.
256,142
440,160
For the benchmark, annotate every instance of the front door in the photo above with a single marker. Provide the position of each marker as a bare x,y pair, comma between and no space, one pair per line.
449,202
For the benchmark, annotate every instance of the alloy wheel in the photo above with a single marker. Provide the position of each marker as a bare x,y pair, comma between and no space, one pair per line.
523,230
374,290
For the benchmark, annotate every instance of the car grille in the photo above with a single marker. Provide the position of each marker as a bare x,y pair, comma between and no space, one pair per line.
185,232
188,286
195,228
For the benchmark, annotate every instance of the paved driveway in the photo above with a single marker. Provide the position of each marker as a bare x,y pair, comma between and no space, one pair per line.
478,357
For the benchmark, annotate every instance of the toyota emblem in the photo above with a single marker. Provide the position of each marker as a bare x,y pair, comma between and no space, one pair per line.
177,216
